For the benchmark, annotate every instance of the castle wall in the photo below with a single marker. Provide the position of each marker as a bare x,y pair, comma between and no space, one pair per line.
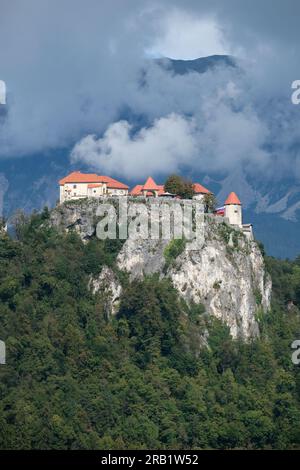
198,197
117,192
73,191
61,194
95,192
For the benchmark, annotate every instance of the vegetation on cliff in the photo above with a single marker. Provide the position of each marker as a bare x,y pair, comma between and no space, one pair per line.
74,380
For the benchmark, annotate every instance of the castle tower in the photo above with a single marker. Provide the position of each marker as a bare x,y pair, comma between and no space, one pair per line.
233,210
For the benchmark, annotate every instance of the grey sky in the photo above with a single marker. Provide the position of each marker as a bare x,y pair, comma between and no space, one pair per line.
72,66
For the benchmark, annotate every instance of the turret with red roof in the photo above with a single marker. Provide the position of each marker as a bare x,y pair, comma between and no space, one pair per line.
233,199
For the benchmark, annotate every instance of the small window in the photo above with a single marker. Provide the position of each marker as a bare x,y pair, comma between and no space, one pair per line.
74,186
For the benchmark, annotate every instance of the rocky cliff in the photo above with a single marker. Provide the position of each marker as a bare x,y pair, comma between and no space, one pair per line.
226,273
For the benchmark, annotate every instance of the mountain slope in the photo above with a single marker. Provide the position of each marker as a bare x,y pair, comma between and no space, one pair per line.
201,65
75,379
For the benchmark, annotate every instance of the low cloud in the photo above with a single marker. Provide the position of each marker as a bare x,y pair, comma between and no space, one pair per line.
184,36
73,71
217,138
161,148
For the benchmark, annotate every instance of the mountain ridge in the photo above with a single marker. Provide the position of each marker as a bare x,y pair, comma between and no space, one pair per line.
30,183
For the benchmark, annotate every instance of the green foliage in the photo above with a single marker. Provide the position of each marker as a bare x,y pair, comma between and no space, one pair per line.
230,235
210,203
258,297
217,285
286,279
175,247
160,375
152,311
175,184
225,231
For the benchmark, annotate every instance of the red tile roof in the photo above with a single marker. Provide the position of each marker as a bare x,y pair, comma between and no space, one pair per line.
150,185
94,185
232,199
112,183
161,189
137,190
78,177
199,189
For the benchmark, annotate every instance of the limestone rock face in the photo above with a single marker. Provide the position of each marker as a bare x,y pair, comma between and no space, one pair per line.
108,284
225,273
142,257
231,288
79,217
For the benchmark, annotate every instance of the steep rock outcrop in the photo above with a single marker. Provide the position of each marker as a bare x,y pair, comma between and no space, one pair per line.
233,288
110,287
78,216
225,273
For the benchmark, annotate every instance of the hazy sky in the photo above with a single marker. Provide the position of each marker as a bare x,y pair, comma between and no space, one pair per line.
72,68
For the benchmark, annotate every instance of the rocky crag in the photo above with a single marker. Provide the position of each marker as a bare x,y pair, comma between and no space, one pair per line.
225,273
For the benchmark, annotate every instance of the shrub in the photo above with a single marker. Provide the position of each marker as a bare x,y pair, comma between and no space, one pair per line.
174,249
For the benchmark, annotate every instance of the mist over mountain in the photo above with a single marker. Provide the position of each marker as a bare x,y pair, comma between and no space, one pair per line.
271,201
201,65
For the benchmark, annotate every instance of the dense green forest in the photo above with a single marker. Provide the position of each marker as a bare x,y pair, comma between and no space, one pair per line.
75,379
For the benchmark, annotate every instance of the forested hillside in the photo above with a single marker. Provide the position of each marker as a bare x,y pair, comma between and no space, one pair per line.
159,375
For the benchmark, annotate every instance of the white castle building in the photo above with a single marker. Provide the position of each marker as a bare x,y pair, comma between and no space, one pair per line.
79,185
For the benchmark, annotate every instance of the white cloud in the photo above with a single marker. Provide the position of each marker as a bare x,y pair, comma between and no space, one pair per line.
186,36
161,148
217,138
230,138
71,71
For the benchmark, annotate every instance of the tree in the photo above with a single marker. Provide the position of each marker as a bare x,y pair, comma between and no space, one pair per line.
161,374
175,184
210,203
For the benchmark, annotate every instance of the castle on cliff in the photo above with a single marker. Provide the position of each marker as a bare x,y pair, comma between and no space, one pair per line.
79,185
